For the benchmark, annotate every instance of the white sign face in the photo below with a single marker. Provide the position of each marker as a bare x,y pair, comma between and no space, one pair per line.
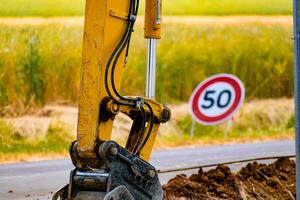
216,99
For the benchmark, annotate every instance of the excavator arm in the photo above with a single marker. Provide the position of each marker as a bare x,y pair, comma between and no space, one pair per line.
104,169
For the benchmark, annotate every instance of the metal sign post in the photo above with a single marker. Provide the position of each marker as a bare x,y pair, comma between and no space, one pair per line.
192,129
297,90
228,128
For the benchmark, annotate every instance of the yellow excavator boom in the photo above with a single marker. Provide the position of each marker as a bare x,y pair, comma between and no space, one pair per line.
101,164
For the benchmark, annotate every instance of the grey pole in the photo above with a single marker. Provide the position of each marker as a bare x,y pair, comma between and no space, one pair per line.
192,130
297,90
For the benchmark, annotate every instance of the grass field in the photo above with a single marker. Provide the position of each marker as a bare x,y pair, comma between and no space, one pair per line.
171,7
41,63
14,147
258,120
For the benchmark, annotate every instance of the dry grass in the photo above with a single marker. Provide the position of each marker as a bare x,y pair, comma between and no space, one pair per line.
15,147
258,120
261,120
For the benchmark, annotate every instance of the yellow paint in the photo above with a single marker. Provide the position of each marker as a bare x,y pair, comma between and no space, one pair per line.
102,32
152,28
105,23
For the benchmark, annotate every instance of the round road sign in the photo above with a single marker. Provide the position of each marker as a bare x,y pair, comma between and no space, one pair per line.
216,99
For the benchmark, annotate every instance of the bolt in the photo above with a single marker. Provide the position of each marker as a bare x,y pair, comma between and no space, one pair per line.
113,151
166,115
151,173
115,107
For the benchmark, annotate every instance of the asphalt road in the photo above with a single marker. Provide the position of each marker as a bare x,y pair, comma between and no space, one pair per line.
37,180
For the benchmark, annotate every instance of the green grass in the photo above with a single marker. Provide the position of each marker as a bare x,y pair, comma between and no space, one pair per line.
170,7
227,7
257,121
262,56
14,146
41,7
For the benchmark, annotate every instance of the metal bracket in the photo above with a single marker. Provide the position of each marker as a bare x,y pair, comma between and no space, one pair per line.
118,14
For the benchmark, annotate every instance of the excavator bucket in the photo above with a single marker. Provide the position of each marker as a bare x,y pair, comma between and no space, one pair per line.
124,176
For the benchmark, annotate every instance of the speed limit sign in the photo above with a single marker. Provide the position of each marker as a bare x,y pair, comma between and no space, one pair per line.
216,99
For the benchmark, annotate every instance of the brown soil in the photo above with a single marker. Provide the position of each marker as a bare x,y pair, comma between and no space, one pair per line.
255,181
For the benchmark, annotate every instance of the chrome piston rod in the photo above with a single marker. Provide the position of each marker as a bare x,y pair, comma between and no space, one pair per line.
151,68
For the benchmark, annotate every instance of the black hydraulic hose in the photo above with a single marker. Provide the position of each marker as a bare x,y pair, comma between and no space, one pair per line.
137,7
118,51
125,35
114,67
109,62
126,43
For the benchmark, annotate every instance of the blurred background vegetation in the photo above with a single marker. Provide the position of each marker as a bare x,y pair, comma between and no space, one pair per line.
48,8
41,63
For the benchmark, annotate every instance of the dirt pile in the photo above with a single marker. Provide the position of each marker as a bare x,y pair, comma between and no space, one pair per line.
255,181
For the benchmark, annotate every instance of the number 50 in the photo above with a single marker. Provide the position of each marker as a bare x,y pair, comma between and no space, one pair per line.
211,98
